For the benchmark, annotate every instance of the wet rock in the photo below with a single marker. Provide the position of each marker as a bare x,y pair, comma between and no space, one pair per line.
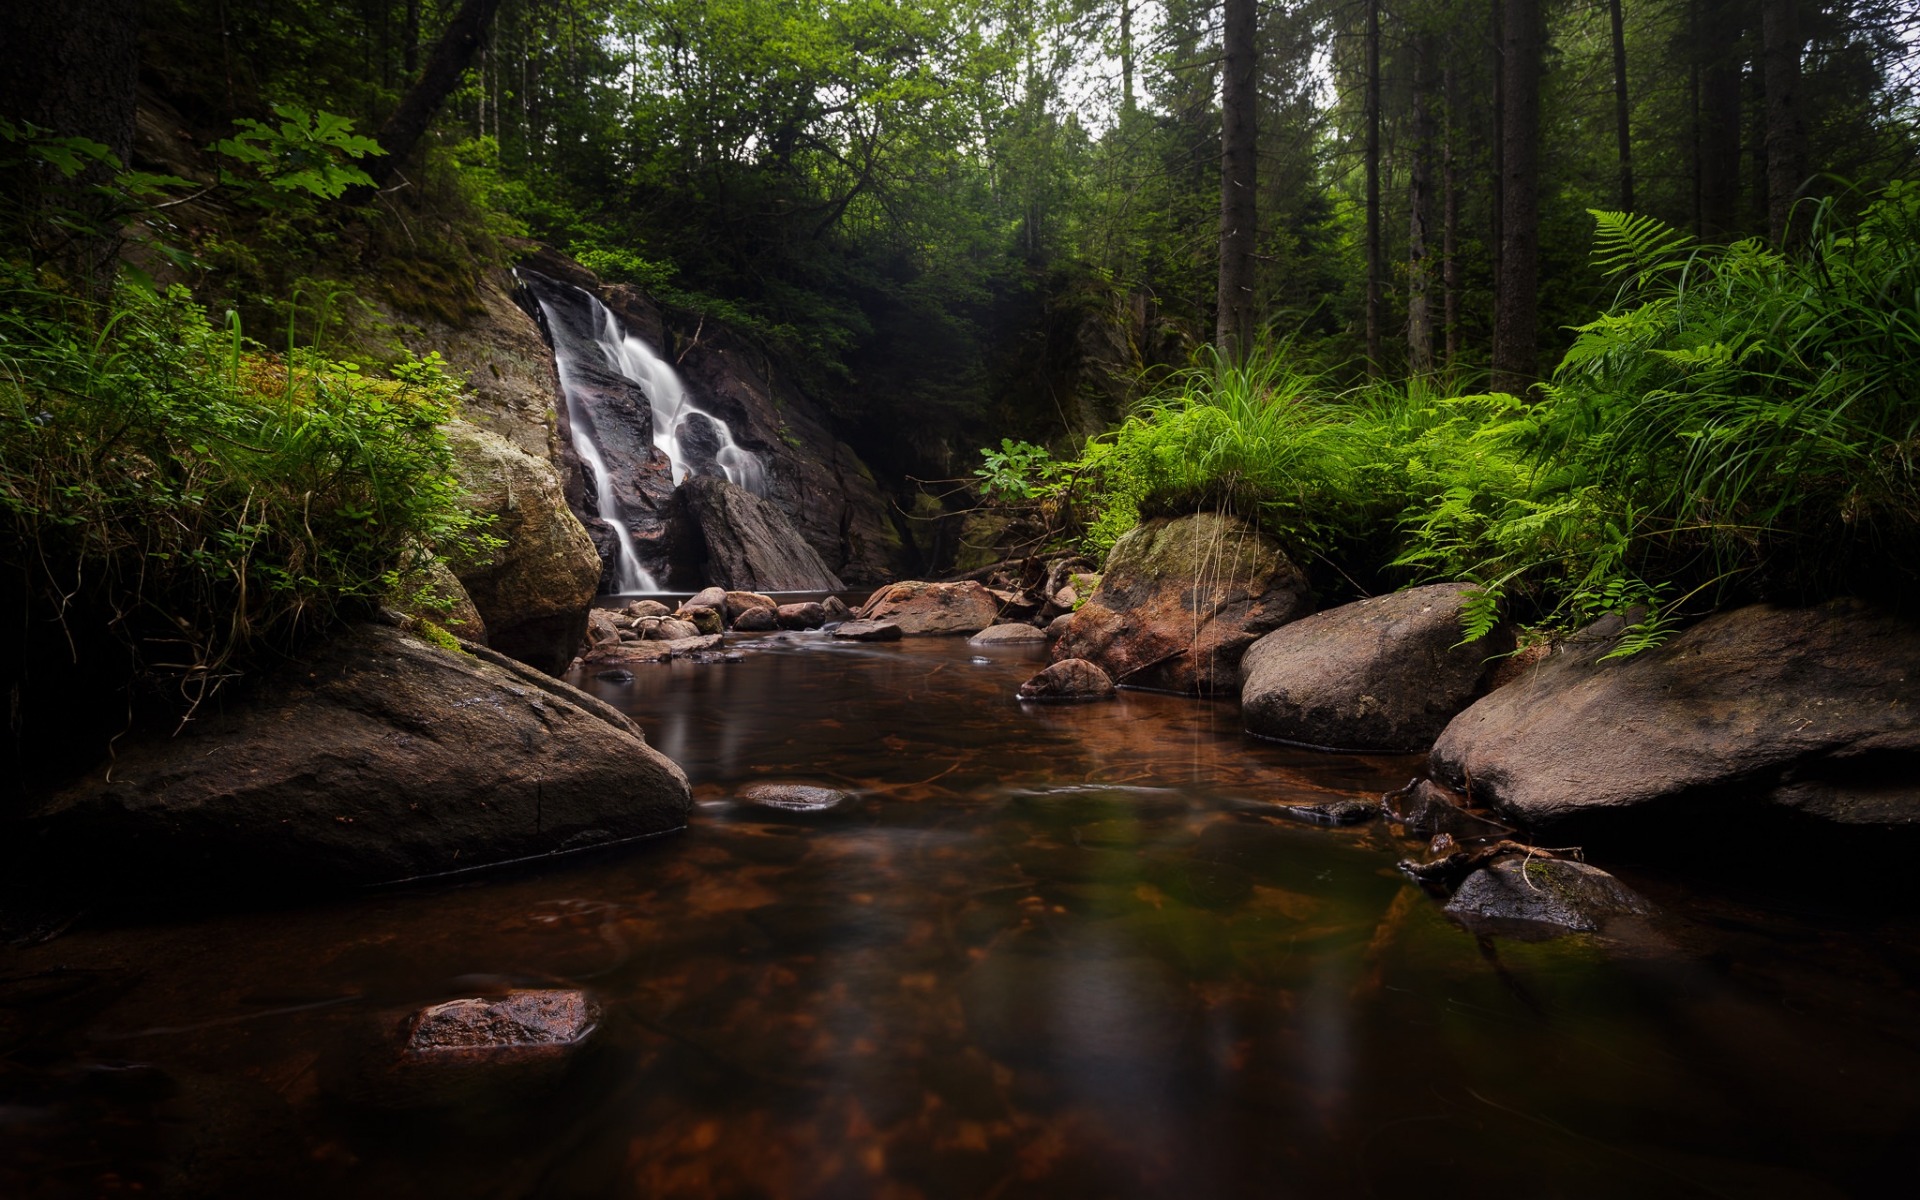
836,608
533,590
706,620
377,757
1008,635
645,608
868,631
794,797
1427,808
739,601
922,609
1057,627
634,653
712,597
615,675
603,628
808,615
519,1025
1810,708
1069,679
1180,601
667,629
699,439
1332,812
1557,892
757,620
726,535
435,594
1384,674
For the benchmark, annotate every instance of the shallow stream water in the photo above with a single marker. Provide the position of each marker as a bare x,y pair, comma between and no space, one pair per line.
1042,952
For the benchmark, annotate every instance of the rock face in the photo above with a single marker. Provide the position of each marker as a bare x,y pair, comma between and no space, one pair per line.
1817,709
1069,679
376,758
532,592
924,609
1546,891
1384,674
1180,601
728,537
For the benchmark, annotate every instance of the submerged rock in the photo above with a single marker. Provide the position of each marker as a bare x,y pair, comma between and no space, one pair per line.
1546,891
794,797
1384,674
1008,635
1332,812
521,1024
1181,599
1811,708
1069,679
377,757
923,609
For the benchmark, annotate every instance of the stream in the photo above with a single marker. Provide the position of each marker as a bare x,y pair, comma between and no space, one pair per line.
1040,952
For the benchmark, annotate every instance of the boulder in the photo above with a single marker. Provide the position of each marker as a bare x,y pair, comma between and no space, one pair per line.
706,620
377,757
809,615
666,629
434,593
1069,679
1384,674
757,620
534,589
1008,635
1057,628
646,608
737,602
724,534
923,609
1811,708
836,608
868,631
603,629
1181,599
628,654
711,597
1546,891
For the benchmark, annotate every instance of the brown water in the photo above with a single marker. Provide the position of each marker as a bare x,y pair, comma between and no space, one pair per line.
1045,952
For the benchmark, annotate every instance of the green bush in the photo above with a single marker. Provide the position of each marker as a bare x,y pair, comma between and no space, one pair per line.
166,487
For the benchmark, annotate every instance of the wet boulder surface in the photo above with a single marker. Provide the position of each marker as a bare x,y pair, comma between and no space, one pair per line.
1811,709
723,535
922,609
1383,674
376,758
1179,602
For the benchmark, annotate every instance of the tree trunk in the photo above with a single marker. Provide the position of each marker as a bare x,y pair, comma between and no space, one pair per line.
1780,30
448,62
71,70
1450,222
1498,24
1516,328
1126,56
1719,162
1621,110
1239,98
1375,267
1419,201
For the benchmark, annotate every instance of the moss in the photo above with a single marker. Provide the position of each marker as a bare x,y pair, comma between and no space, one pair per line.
427,288
439,637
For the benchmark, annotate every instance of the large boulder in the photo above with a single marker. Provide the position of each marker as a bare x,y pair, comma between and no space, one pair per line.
1384,674
923,609
534,589
1811,708
376,758
727,536
1180,601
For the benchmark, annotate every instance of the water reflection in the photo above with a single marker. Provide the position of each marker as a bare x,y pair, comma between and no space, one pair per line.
1037,951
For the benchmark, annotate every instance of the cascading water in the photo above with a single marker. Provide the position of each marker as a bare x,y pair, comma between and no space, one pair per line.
692,440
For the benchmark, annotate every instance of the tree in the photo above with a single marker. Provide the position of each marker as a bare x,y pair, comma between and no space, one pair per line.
1419,202
1781,36
1516,323
1622,132
464,37
1376,266
1239,99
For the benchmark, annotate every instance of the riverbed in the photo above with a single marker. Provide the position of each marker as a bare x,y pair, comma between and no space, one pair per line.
1054,951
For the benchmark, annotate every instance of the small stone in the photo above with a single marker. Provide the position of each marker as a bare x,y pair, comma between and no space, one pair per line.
646,608
794,797
1546,891
837,609
669,629
1332,812
1069,679
868,631
615,675
1058,626
703,617
713,597
808,615
756,620
740,602
1008,635
528,1023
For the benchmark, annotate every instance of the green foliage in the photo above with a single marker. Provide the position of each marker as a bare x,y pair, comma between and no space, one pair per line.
307,155
1017,471
164,484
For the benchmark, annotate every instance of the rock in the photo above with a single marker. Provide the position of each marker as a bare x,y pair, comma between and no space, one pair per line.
794,797
1057,628
666,629
1069,679
921,609
726,535
1384,674
634,653
1811,708
1546,891
809,615
603,629
868,631
738,602
1180,601
706,620
377,757
522,1024
646,608
836,608
757,620
1331,812
435,594
712,597
532,591
1427,808
1008,635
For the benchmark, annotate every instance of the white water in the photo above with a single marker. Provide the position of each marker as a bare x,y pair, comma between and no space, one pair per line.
636,360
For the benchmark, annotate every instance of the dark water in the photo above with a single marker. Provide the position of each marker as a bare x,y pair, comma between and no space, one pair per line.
1044,952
